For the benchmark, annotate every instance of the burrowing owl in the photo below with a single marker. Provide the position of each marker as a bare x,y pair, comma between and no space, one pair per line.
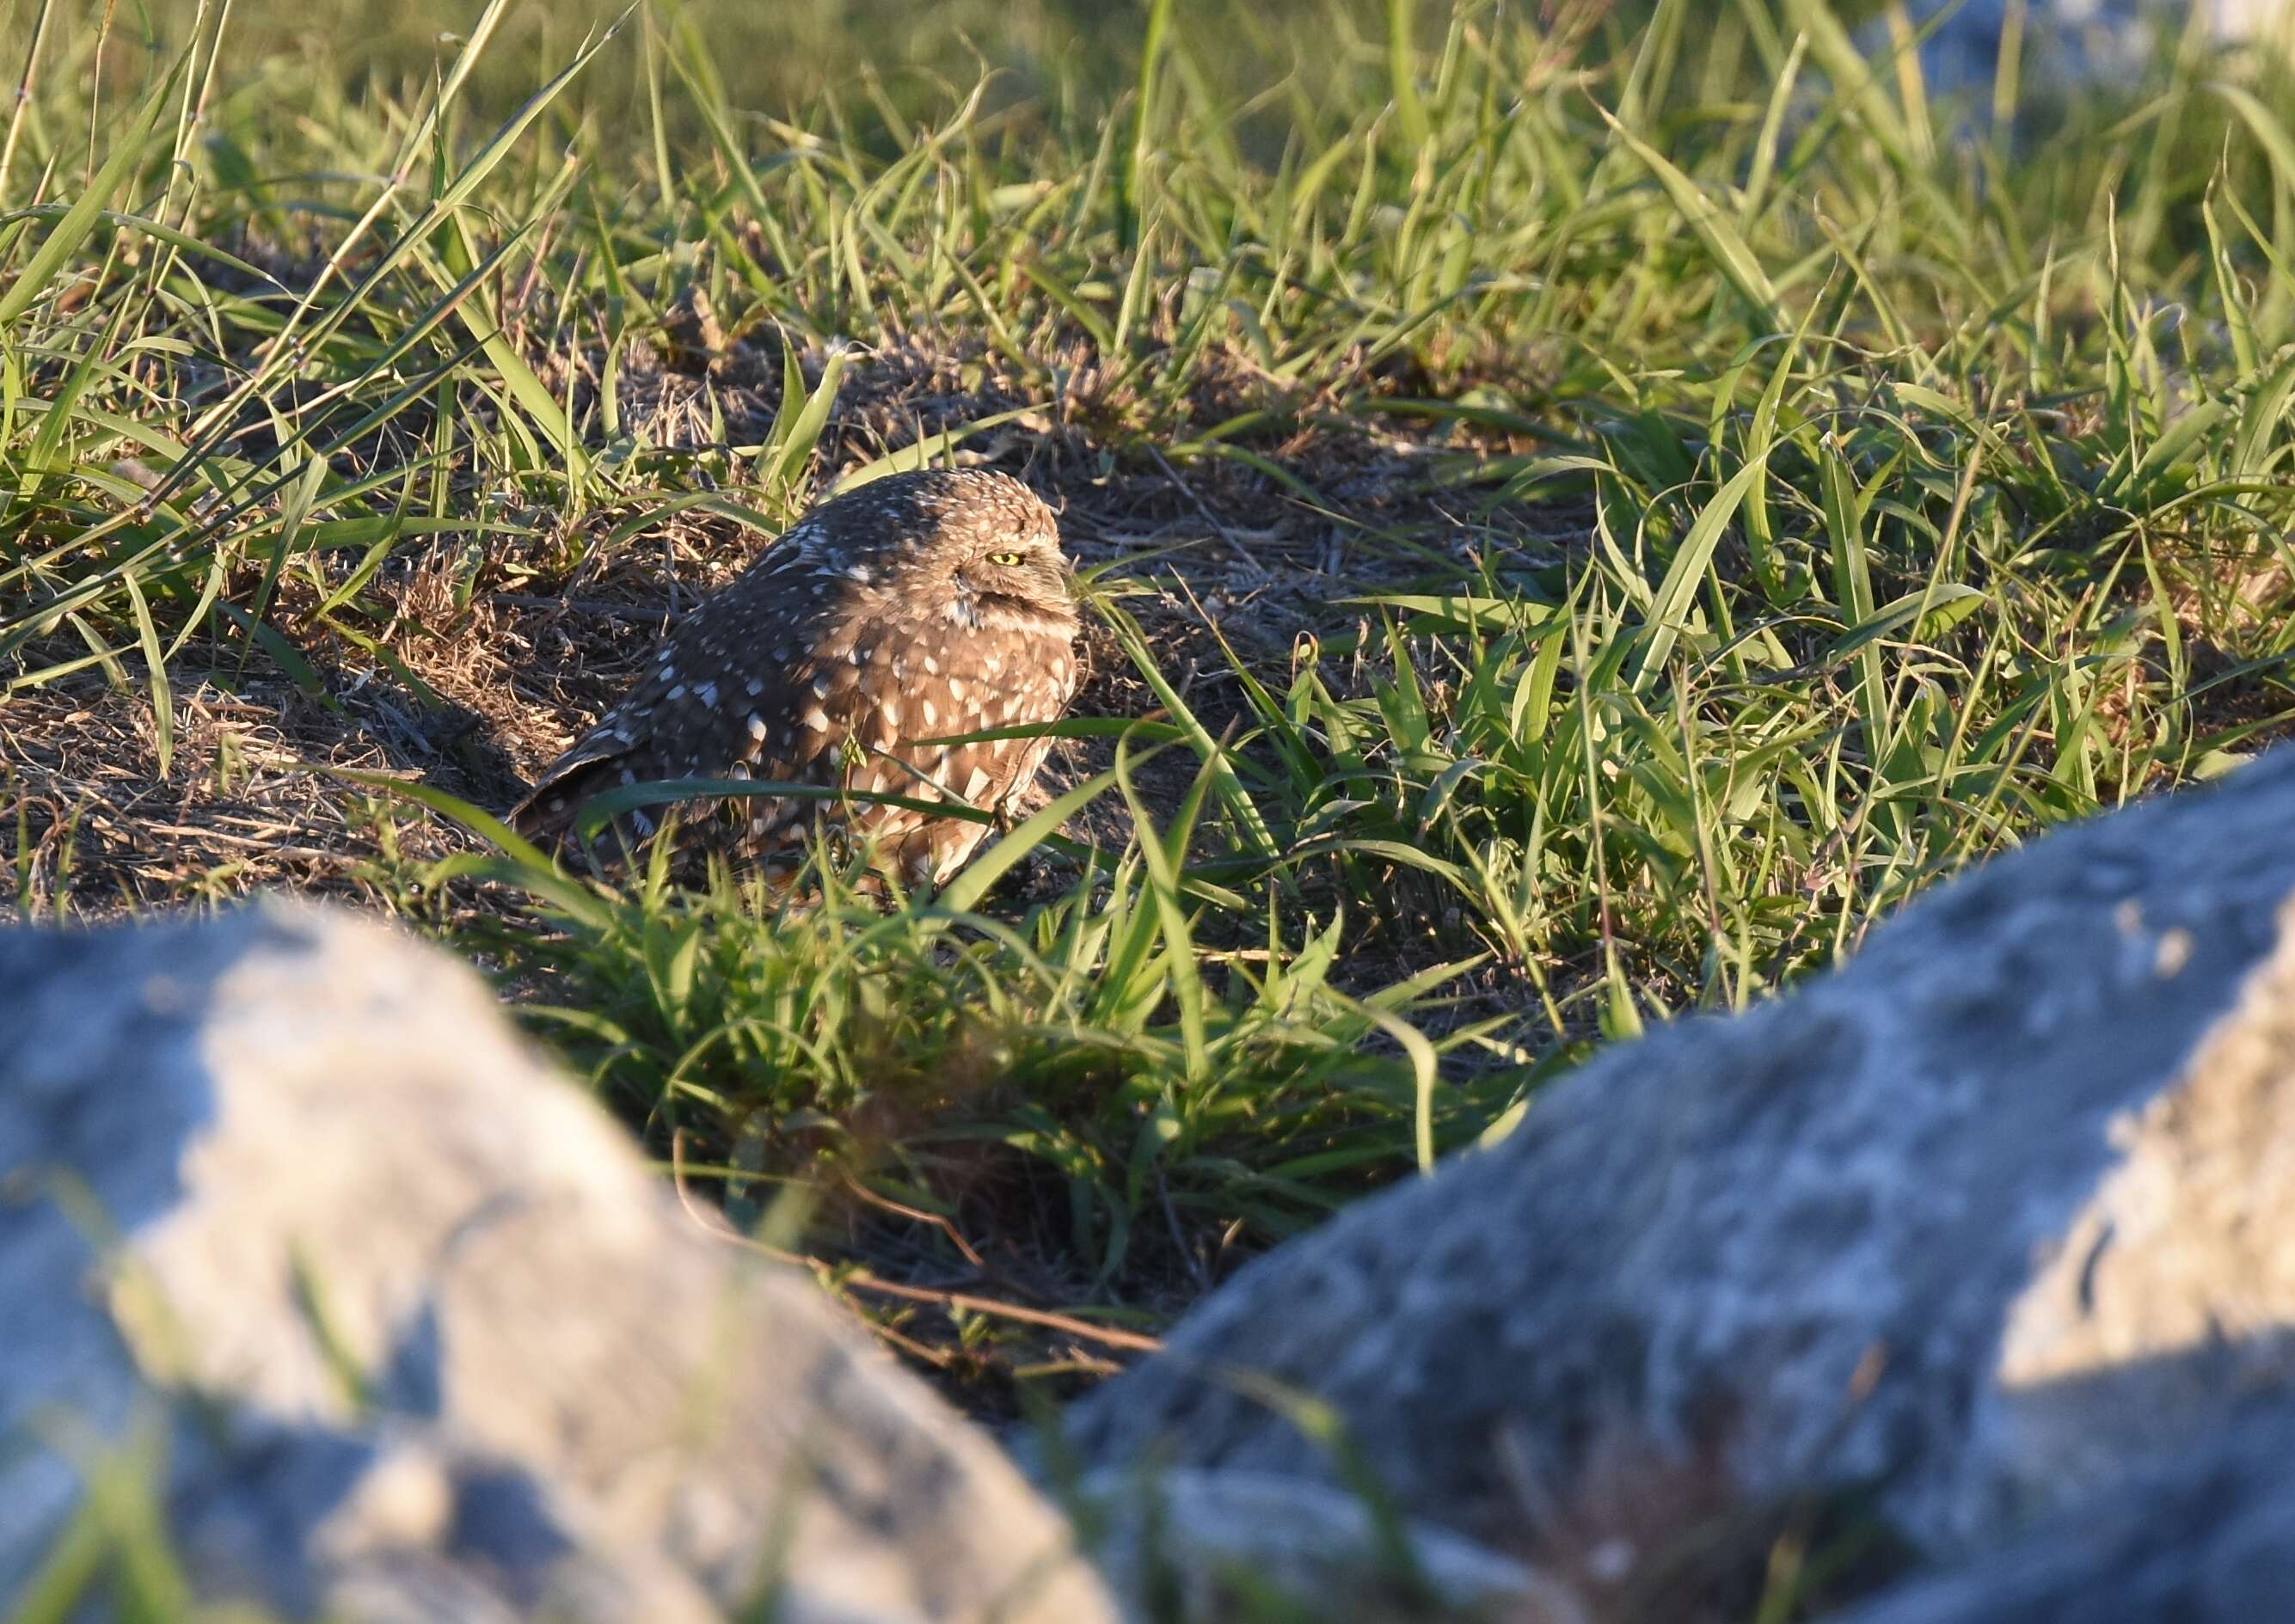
916,607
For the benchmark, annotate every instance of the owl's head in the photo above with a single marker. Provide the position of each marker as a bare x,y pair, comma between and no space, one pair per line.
973,545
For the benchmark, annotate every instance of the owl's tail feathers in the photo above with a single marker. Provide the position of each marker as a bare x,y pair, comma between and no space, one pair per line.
544,817
549,812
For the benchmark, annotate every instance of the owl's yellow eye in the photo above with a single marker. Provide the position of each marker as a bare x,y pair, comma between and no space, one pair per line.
1007,560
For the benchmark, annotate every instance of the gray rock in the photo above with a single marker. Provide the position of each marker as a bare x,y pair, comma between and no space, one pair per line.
2209,1540
2071,43
424,1336
1199,1545
1997,1214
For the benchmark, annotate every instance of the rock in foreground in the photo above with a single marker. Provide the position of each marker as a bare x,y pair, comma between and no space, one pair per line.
2208,1539
429,1340
2000,1214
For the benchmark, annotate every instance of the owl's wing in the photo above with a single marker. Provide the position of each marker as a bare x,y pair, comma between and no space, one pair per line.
728,678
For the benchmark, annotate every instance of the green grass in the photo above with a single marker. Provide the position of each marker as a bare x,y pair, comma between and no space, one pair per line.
1584,514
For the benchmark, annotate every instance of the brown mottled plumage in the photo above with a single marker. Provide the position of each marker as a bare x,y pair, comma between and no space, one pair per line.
917,606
